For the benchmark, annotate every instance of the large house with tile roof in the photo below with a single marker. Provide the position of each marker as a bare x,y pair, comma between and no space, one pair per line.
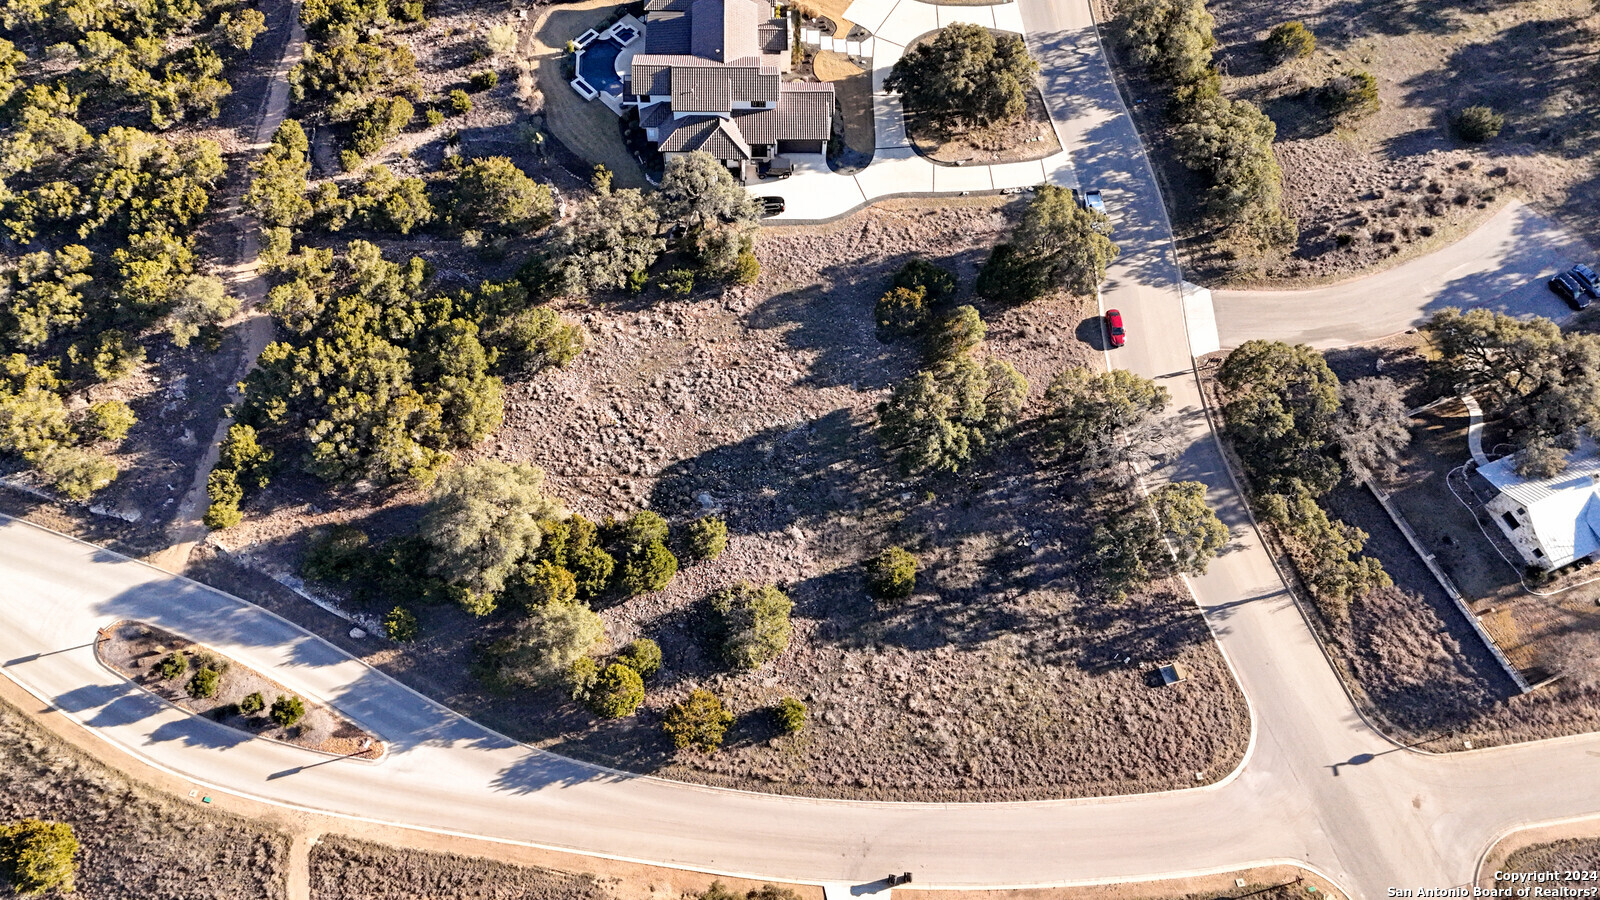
710,78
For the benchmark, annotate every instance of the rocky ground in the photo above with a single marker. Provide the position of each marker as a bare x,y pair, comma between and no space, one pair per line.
1000,679
1581,856
135,844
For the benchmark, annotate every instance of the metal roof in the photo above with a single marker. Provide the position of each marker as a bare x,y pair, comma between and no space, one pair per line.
1563,511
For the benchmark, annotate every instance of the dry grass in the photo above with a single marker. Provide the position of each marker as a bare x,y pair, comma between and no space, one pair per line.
1578,854
136,844
347,869
830,65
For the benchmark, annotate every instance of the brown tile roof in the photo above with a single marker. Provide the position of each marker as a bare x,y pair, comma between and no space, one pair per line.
804,113
654,116
701,89
773,36
715,136
725,30
666,32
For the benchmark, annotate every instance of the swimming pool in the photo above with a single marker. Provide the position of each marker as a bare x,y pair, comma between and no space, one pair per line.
598,66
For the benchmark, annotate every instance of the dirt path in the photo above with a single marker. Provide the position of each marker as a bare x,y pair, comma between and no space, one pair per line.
253,325
298,878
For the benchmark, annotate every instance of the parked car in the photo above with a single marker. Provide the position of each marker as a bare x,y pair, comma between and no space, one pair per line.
1569,289
1114,329
771,206
1090,200
1586,277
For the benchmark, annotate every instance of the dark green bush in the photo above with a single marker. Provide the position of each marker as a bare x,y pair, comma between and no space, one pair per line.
902,312
173,665
286,711
892,575
253,704
460,102
678,281
698,721
1478,124
1291,40
752,623
617,691
648,568
790,714
204,683
643,656
707,537
337,555
485,80
1351,95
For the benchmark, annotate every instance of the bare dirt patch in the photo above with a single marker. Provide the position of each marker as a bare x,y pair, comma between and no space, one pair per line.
1031,138
1003,678
132,649
1371,193
1265,882
347,869
135,843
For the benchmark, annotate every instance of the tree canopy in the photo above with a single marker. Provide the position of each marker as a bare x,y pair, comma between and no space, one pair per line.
482,519
1280,404
1058,244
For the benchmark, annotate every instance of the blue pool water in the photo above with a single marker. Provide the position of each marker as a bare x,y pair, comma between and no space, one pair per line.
599,66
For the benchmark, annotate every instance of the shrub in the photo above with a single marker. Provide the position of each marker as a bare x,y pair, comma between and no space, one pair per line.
252,704
892,575
790,714
638,280
708,537
337,555
39,856
433,117
643,656
752,623
903,311
460,103
581,676
544,584
400,625
173,665
698,721
485,80
204,683
678,281
110,421
500,40
1478,124
1291,40
222,487
1351,95
939,284
746,268
617,692
409,11
75,472
549,642
650,568
286,711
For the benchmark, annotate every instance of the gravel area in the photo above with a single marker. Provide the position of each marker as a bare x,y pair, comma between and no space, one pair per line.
135,844
132,649
1001,679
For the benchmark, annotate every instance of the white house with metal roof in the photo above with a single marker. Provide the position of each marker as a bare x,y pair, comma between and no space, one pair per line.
1552,521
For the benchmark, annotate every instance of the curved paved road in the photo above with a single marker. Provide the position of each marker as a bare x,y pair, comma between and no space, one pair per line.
1502,265
1319,786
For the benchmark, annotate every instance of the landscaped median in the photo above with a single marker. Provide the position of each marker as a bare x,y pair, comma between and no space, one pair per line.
205,683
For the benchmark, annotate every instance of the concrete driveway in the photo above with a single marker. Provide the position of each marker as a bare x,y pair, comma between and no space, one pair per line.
816,193
1503,266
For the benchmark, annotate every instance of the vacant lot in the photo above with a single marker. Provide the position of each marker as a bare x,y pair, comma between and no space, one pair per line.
1001,678
1399,183
136,844
1580,855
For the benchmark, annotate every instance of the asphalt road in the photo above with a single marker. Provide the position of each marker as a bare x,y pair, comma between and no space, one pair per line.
1503,266
1318,787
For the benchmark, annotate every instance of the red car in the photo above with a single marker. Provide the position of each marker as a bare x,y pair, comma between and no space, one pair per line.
1114,328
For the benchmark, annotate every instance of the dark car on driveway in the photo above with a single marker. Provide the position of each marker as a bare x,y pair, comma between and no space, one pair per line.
1567,287
1586,277
1114,329
771,206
